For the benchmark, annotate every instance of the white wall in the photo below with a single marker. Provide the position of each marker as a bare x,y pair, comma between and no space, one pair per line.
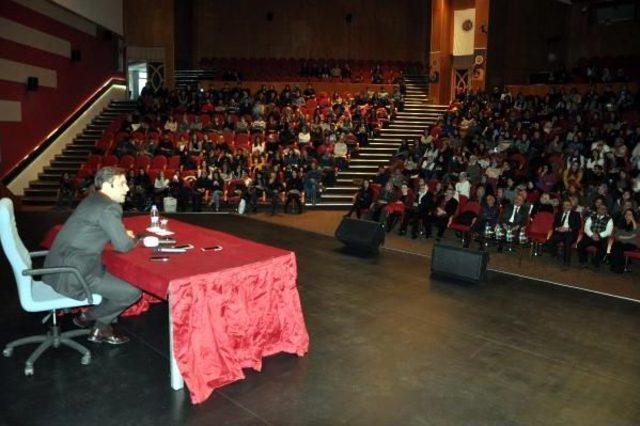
107,13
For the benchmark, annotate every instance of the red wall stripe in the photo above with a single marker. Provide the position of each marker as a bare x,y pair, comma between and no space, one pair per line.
44,109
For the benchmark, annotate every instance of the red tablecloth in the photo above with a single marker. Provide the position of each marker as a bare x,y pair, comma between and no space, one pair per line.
230,308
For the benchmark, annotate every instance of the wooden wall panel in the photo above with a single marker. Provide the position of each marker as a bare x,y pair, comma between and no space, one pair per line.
151,23
379,30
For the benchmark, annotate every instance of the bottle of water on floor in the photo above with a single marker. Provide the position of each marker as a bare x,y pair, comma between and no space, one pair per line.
155,216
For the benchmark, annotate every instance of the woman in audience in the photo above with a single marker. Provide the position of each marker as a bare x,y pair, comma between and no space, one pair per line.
627,238
217,189
160,188
294,189
362,199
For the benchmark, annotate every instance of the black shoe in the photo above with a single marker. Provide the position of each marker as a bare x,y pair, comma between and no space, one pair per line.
106,335
82,321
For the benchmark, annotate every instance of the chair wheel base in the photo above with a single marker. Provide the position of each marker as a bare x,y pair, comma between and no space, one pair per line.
86,359
7,352
28,370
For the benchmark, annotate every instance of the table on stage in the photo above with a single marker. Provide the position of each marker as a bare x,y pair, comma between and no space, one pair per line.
227,309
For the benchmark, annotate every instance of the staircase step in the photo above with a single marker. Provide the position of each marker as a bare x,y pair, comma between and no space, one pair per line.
71,155
41,192
379,149
372,156
375,161
39,201
322,205
60,169
67,163
49,176
44,184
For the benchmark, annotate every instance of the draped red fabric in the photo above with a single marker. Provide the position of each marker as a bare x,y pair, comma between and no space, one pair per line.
230,308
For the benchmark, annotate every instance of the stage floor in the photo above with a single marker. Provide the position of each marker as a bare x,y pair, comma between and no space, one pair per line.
389,346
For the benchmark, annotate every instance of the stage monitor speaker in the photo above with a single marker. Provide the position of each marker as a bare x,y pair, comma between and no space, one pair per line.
32,83
361,235
76,56
459,263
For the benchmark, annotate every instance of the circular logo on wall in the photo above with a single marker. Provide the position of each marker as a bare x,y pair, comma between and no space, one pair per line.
467,25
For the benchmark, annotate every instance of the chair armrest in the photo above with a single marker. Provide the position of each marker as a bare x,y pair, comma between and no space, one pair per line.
39,253
62,270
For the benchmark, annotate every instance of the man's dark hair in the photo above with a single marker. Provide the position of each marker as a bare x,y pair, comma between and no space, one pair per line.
106,175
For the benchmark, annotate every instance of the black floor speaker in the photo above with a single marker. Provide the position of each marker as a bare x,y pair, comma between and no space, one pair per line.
459,263
360,235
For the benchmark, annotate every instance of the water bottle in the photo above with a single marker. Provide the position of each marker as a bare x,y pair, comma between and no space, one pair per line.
155,216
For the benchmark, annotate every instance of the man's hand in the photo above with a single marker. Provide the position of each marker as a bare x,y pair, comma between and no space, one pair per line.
596,237
130,233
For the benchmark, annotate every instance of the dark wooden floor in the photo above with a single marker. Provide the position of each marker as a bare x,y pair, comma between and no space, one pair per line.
389,346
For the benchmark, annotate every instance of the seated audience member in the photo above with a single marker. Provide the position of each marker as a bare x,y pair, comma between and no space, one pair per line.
217,189
160,188
566,227
340,153
487,220
419,211
445,207
362,199
515,216
463,186
66,191
597,229
397,209
199,189
273,189
378,211
627,238
381,176
294,189
312,183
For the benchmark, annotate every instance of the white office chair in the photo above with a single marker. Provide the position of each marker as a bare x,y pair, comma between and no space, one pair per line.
36,296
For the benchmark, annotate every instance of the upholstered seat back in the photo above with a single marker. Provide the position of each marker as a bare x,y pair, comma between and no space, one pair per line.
14,249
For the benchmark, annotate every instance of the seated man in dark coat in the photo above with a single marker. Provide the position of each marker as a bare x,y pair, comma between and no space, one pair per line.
96,221
566,226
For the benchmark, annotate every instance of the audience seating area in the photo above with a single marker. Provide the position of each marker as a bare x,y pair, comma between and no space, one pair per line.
543,150
216,146
286,69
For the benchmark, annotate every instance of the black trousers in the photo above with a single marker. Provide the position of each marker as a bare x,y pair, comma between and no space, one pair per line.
567,239
117,295
600,245
617,255
295,199
440,223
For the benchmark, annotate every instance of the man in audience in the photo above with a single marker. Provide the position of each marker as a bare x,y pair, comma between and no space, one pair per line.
566,226
597,229
445,207
514,218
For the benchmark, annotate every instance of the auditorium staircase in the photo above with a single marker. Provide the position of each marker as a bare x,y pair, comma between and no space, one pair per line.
43,192
417,115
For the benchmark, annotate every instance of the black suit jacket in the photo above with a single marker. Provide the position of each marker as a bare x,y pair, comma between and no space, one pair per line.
574,220
96,221
426,203
520,218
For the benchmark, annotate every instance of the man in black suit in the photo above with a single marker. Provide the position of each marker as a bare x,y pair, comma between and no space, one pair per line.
96,221
419,212
444,207
515,217
566,226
